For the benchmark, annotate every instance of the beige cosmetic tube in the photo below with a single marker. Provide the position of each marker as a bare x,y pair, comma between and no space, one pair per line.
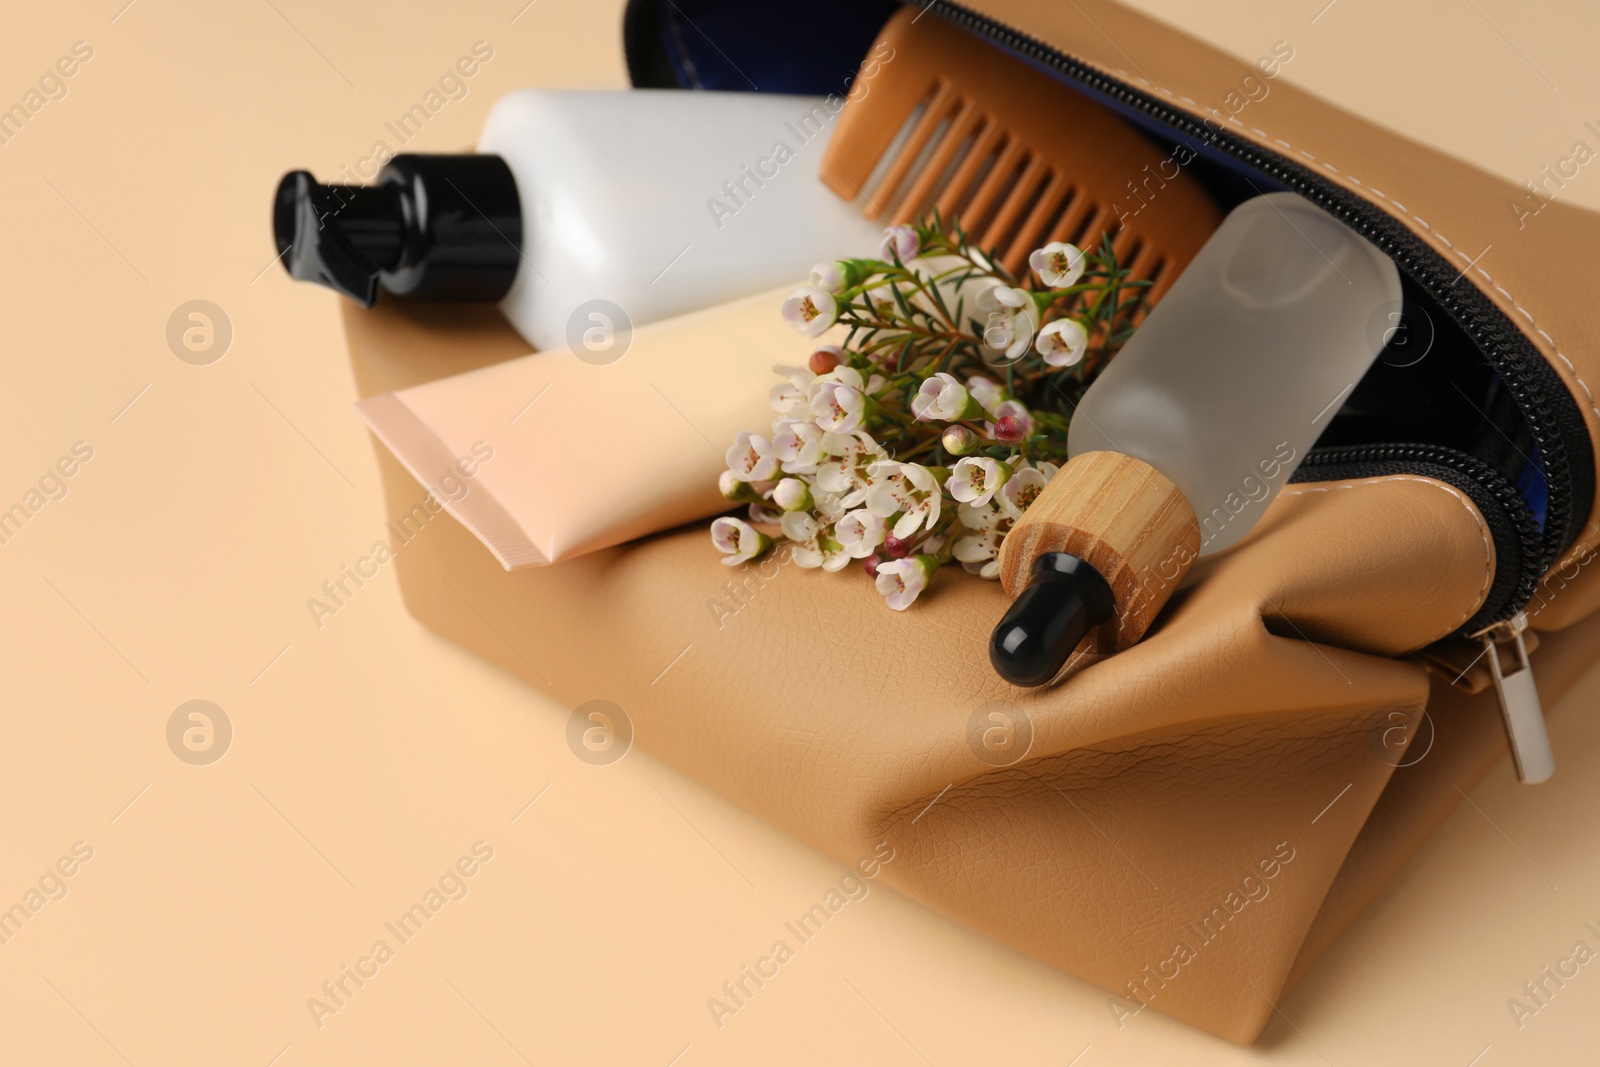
569,451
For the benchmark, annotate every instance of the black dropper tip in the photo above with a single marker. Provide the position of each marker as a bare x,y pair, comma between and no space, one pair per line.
1065,597
431,228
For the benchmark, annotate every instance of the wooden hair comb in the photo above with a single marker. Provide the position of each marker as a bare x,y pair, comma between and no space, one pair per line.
1015,156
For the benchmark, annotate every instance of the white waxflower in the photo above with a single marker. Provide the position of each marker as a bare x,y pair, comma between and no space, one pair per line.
790,395
844,468
975,479
901,581
1058,264
1010,320
797,445
979,517
838,399
810,310
901,240
828,505
832,554
1021,490
980,547
829,277
799,526
1062,342
803,530
907,488
813,546
986,392
943,397
750,457
979,552
860,532
791,494
737,540
786,397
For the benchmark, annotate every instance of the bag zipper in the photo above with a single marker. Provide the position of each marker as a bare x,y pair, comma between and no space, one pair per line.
1499,620
1518,697
1551,414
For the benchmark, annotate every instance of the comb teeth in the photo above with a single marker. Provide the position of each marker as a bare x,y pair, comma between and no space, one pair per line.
952,156
1014,156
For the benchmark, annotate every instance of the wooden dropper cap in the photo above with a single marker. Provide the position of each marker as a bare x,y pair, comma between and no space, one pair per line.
1138,536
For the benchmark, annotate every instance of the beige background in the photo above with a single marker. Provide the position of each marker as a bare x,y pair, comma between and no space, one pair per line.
369,755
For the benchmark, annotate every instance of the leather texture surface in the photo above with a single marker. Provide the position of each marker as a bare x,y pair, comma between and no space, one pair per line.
1262,717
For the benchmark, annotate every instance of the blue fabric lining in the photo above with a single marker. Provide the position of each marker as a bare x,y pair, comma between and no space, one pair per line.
770,48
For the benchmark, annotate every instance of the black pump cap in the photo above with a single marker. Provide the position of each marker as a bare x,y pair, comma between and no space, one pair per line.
431,228
1065,597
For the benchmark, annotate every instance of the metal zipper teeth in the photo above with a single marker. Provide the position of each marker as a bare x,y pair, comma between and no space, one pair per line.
1514,510
1569,471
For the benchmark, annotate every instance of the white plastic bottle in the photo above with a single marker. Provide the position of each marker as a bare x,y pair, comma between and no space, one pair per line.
586,211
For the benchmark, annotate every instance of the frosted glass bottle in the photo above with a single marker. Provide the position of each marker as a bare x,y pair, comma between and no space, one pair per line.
588,211
1232,377
1179,446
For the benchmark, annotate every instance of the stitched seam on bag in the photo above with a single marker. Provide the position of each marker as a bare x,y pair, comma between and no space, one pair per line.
1594,406
1483,531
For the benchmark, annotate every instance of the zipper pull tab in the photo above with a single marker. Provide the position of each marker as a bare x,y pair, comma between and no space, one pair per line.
1519,703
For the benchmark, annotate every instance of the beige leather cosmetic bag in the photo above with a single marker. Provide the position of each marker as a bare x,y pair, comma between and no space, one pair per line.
1190,823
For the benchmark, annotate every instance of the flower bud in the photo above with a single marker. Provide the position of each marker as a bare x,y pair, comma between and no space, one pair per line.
735,490
899,241
1008,429
829,277
895,548
791,494
958,440
825,359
